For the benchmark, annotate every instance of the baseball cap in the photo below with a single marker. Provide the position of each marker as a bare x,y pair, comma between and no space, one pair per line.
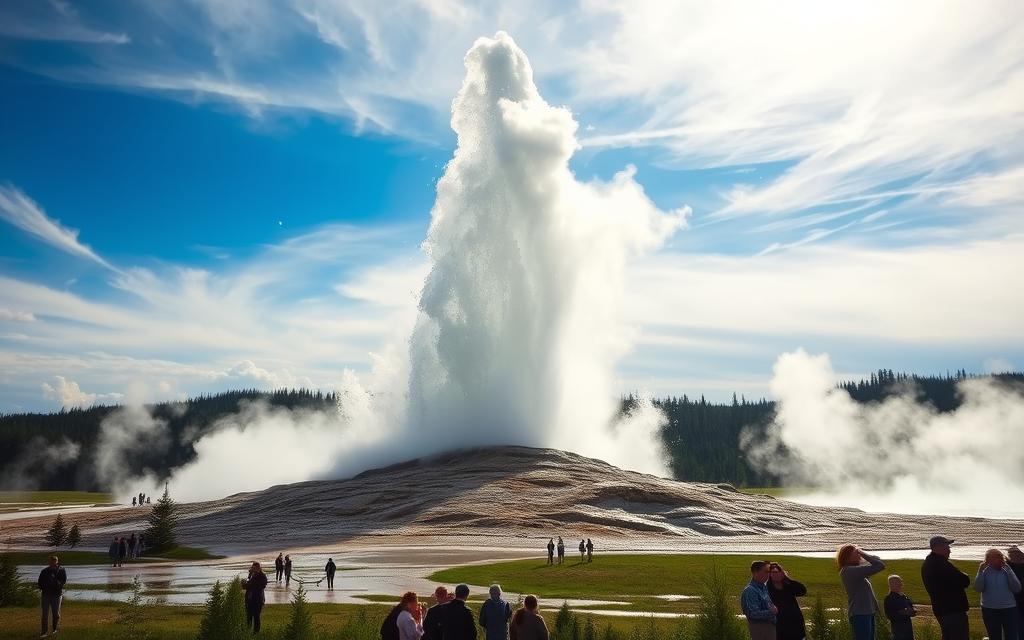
939,540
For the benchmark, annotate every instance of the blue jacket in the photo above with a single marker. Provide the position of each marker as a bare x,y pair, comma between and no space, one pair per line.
494,617
756,602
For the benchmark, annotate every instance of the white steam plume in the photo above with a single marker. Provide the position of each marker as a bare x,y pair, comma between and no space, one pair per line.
897,455
519,326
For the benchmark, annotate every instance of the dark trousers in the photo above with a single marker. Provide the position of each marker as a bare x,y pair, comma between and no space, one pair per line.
252,615
954,626
51,603
278,574
330,580
863,627
1001,624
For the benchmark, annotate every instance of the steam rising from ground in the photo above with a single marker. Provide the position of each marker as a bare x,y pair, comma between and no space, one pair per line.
897,455
519,325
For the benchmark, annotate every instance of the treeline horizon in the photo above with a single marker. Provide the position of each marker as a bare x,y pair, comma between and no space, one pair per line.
702,438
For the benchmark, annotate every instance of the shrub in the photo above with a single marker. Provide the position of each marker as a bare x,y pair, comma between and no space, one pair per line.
300,624
132,614
13,592
716,619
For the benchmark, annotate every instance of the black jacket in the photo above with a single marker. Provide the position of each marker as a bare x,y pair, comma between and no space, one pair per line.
456,621
1018,570
946,585
51,581
254,588
330,568
790,624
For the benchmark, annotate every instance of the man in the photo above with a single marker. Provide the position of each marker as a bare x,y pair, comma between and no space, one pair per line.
51,585
757,604
432,621
551,551
590,550
456,619
494,615
330,569
279,566
946,586
561,550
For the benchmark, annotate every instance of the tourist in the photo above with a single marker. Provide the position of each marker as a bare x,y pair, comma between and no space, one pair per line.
432,621
456,619
51,586
254,596
527,623
137,547
112,552
783,590
131,547
287,570
757,604
899,609
947,589
142,544
494,615
561,550
583,550
1017,565
122,551
133,501
999,587
279,566
410,618
551,551
590,550
861,604
147,500
329,569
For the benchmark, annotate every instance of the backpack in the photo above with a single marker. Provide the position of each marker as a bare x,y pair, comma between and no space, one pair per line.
389,628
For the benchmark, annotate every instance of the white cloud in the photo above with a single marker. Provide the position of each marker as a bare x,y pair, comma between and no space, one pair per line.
21,211
68,394
16,316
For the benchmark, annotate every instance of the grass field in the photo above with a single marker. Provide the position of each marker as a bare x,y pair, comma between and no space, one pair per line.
40,498
71,557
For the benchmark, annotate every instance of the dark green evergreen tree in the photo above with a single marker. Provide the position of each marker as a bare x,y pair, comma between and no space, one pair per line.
74,536
163,522
57,533
13,592
132,614
300,622
716,617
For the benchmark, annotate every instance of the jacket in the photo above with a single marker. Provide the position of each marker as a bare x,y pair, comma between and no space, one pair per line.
946,585
456,621
254,587
531,627
790,619
494,617
52,580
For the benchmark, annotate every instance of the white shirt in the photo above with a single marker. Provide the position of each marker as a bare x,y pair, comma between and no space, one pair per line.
408,628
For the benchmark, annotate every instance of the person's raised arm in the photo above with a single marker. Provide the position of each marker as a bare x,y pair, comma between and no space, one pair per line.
797,588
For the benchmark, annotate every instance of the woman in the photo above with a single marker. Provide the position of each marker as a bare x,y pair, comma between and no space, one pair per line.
527,623
999,587
410,620
784,591
1017,565
287,570
254,598
861,605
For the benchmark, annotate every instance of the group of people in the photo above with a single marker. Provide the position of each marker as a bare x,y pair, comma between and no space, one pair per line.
139,500
122,549
770,604
450,618
586,550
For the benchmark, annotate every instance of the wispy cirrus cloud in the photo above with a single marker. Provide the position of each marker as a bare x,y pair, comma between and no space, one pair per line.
23,212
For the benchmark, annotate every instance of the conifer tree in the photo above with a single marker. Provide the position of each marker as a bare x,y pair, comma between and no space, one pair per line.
211,626
300,624
163,520
131,615
233,612
74,536
717,617
57,533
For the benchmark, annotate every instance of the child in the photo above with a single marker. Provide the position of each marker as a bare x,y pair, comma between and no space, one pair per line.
899,609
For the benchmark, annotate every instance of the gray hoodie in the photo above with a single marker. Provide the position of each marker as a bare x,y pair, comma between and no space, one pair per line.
860,597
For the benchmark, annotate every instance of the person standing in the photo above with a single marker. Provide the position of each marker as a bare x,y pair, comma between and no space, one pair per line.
456,620
410,619
494,615
330,568
1017,566
590,550
784,591
527,623
551,551
757,604
51,587
112,552
583,550
855,567
561,550
432,620
122,551
947,588
287,570
279,566
899,609
133,501
254,596
999,587
131,547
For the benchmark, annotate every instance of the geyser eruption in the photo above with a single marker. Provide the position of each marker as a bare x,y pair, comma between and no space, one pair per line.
520,327
898,455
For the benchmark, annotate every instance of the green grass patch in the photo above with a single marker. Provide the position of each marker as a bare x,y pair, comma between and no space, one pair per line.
54,497
67,557
109,587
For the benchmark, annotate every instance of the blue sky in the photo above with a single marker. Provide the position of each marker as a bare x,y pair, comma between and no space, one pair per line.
208,194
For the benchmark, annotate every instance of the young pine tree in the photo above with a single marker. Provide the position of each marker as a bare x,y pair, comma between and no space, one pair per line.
13,592
163,521
233,613
57,533
74,536
300,624
563,623
211,626
716,619
132,614
820,625
589,630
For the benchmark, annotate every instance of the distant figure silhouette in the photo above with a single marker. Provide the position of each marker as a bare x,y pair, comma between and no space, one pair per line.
122,551
329,569
551,551
112,552
561,550
583,550
131,547
147,500
133,501
254,597
279,566
590,550
287,570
